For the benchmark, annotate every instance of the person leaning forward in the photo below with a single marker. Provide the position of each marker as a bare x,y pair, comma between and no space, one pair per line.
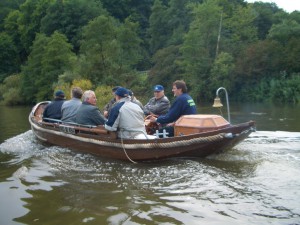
126,117
159,104
88,113
183,105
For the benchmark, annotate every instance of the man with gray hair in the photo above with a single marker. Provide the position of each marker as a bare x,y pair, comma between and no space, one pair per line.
159,104
88,113
70,107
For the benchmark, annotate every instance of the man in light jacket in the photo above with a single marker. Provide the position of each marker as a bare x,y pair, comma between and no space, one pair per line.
126,117
70,107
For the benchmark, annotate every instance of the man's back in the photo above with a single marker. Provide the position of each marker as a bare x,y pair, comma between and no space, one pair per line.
53,110
69,109
128,118
88,114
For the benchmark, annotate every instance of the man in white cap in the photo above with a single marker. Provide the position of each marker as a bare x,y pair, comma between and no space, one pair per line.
126,117
159,104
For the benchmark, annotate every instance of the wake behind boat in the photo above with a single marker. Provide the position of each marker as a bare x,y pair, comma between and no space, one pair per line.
195,136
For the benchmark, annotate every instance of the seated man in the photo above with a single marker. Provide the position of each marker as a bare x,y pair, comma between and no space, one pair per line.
53,110
183,105
159,104
109,105
70,107
135,100
88,113
126,117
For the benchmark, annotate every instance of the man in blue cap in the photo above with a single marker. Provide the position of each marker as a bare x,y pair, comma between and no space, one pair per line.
126,117
159,104
52,111
183,105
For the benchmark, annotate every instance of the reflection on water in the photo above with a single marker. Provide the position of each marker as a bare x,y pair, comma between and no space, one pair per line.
257,182
13,121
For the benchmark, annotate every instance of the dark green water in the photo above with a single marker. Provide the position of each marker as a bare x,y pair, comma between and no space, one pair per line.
257,182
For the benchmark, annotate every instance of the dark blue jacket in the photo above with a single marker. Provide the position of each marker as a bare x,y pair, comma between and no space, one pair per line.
53,110
183,105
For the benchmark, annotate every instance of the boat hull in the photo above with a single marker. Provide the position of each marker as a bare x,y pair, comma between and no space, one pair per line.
99,142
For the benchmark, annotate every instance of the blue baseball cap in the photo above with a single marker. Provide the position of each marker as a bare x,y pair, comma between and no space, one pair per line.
158,88
122,92
59,93
115,88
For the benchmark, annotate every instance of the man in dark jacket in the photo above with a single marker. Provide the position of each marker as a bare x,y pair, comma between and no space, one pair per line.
88,113
111,103
53,110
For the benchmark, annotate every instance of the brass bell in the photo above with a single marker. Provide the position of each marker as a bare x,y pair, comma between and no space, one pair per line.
217,103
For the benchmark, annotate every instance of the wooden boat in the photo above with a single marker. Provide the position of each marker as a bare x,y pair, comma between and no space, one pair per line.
195,136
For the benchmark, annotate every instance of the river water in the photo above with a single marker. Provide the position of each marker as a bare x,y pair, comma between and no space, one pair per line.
257,182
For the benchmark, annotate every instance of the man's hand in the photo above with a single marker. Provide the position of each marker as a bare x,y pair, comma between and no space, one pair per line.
105,113
153,119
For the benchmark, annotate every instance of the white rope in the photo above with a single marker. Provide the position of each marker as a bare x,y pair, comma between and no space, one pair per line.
125,151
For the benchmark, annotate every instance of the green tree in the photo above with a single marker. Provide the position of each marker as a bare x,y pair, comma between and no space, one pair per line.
109,51
137,10
50,57
292,52
165,69
6,6
158,30
68,17
238,30
199,45
178,21
33,69
264,19
284,31
9,62
222,73
31,13
10,90
11,27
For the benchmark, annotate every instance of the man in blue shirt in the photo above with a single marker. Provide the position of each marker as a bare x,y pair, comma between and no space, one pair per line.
183,105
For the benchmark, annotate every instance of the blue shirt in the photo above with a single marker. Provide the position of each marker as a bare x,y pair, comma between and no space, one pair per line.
183,105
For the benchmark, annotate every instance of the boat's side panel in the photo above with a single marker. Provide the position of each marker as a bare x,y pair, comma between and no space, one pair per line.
118,149
99,142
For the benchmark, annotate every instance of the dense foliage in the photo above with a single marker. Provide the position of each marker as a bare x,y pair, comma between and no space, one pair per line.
251,49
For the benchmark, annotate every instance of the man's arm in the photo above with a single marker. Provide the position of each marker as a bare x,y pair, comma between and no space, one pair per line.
98,117
173,114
